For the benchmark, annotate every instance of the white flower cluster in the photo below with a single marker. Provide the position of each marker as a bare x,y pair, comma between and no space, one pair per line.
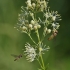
51,19
29,21
25,24
30,52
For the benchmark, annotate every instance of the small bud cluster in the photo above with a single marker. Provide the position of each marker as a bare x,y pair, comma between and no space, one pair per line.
38,5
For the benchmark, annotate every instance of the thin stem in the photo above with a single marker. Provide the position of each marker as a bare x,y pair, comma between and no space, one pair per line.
38,35
42,38
39,62
39,42
32,39
42,62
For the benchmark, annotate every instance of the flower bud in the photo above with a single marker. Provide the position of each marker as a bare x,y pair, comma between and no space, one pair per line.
29,1
29,5
54,18
38,26
32,22
40,49
30,26
24,28
45,29
35,27
33,4
49,31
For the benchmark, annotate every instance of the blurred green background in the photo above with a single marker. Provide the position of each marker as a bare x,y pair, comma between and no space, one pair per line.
12,41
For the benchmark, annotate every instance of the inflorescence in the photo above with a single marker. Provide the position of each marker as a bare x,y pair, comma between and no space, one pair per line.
29,21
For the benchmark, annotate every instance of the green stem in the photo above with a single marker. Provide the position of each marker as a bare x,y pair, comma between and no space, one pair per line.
42,62
39,62
42,38
38,35
32,39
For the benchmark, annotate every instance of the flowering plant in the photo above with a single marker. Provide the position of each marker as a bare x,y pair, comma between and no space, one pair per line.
29,21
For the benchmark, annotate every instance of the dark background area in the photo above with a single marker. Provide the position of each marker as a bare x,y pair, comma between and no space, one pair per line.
12,41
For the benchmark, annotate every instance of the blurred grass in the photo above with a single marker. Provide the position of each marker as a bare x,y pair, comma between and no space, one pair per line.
12,41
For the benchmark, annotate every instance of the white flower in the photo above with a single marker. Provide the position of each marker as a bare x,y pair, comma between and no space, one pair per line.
30,52
46,15
43,48
53,24
53,18
47,48
57,25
